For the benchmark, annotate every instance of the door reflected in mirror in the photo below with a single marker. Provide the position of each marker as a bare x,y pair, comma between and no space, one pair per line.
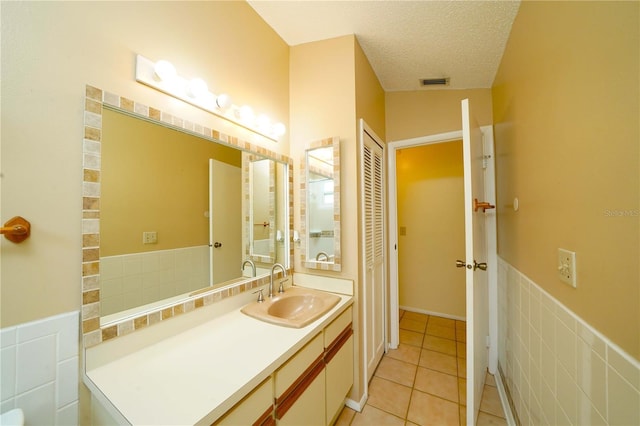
321,222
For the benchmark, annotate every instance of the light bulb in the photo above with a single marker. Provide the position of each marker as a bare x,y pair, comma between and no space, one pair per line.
279,129
246,115
164,71
263,122
223,101
197,88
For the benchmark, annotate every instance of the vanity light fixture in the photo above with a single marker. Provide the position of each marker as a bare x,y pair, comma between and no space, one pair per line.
164,71
162,76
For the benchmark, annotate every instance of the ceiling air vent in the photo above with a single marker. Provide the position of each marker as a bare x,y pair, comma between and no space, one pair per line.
434,81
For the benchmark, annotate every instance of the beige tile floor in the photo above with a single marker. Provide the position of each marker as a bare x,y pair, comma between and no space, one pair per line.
423,382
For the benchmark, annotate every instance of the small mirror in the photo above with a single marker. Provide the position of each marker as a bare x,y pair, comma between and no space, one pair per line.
321,192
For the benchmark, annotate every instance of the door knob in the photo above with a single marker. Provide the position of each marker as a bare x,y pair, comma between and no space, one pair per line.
482,266
217,244
461,264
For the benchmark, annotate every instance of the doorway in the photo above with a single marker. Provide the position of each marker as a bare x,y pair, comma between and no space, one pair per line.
430,211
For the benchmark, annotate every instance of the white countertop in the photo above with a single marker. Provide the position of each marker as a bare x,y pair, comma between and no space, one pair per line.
196,376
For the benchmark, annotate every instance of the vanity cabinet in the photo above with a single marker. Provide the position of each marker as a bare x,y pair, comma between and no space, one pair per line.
309,388
254,409
312,386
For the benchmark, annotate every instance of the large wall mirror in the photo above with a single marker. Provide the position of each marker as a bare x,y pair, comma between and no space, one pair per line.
320,198
173,211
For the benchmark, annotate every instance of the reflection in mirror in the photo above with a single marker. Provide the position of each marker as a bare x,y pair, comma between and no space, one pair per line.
173,213
264,216
321,222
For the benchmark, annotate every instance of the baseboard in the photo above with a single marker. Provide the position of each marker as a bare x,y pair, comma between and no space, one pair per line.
505,399
357,405
437,314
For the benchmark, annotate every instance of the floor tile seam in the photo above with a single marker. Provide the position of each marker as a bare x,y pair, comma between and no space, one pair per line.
413,389
438,371
492,414
443,326
435,396
381,409
440,352
403,360
439,337
457,401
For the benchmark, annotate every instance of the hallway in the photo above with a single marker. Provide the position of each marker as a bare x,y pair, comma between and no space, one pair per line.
423,382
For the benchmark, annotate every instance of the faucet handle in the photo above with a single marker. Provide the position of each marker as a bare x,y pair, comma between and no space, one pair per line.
281,287
260,296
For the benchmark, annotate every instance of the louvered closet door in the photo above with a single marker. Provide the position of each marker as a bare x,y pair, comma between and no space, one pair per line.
373,245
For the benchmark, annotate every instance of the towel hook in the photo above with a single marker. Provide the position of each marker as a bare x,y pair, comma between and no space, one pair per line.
481,205
17,229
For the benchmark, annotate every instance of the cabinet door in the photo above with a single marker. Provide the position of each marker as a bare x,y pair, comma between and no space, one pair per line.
255,408
309,408
293,371
339,376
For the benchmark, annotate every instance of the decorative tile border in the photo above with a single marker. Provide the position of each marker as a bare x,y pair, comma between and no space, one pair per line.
304,235
95,100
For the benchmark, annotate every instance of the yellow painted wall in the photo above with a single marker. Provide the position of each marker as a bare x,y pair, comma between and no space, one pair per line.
323,105
430,192
428,112
370,97
50,51
155,179
332,86
566,110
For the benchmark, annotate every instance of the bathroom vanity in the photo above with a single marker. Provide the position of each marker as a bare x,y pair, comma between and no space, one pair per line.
218,365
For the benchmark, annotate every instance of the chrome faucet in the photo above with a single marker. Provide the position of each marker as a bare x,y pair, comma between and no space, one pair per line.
253,267
284,274
321,254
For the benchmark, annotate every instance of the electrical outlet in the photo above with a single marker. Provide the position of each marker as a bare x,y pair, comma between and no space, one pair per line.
150,237
567,266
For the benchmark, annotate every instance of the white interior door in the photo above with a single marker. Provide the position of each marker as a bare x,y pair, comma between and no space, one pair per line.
476,254
225,221
372,181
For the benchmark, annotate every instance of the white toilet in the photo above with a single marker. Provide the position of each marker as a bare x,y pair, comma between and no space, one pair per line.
14,417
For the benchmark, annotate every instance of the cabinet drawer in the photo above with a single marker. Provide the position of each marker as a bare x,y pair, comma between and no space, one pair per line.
293,369
336,327
252,408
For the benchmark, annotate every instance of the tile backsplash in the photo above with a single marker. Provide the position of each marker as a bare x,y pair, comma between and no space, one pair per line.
39,363
557,368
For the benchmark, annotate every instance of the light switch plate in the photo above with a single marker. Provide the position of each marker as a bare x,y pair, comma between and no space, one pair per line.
567,266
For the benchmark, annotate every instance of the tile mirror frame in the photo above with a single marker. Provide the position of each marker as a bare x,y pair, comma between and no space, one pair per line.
336,264
92,331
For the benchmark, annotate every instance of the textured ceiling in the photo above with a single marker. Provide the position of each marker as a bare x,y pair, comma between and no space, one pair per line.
405,41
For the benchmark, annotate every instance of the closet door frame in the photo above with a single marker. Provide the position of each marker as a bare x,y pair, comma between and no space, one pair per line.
366,132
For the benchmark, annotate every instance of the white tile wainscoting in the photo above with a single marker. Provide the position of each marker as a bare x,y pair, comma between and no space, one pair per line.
40,369
131,280
558,369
